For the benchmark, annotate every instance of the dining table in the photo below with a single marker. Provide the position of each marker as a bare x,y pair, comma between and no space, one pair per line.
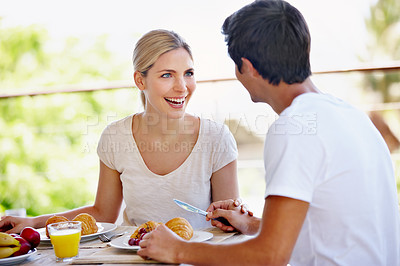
96,252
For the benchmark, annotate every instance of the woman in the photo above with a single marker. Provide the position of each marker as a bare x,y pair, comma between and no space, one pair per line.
148,159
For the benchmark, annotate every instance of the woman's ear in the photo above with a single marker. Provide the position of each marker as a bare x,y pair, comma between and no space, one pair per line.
139,80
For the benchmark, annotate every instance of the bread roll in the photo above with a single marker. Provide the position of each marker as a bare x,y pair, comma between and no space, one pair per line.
181,227
54,219
89,225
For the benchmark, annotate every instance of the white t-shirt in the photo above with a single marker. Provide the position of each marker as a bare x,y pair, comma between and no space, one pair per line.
149,196
323,151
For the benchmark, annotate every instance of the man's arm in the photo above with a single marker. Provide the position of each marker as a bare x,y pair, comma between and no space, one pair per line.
280,226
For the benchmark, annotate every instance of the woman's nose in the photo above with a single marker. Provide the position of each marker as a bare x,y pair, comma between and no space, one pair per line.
180,85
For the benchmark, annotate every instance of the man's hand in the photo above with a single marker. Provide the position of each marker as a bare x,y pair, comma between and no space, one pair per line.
238,215
160,244
230,204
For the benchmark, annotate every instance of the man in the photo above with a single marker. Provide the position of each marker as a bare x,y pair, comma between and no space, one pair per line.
330,190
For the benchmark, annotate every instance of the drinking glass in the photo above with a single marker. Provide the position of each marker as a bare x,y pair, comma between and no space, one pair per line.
65,238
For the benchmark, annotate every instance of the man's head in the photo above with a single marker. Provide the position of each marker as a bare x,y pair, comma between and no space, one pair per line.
274,37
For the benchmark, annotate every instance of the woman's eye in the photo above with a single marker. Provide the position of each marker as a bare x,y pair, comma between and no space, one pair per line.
189,73
166,75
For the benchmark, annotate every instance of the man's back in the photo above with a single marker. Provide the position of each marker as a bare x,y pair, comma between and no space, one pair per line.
339,163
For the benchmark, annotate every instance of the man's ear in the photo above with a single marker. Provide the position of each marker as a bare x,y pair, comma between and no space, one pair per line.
247,67
139,80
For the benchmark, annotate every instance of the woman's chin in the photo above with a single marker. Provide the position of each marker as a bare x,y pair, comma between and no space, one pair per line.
176,114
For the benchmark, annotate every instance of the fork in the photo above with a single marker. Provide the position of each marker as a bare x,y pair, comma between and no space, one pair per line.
105,238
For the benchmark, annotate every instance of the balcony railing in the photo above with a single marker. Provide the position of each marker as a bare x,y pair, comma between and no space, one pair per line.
393,66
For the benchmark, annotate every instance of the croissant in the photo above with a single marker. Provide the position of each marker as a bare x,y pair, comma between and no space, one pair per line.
54,219
148,226
181,227
89,225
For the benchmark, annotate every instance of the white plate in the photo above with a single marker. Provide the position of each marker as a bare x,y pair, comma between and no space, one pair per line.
122,242
18,259
103,228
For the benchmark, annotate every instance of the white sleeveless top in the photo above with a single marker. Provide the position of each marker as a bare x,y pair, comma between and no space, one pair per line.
149,196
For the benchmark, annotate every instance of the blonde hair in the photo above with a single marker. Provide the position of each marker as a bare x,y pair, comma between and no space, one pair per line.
153,44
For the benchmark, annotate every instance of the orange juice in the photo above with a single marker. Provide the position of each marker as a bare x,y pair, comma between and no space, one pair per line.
66,242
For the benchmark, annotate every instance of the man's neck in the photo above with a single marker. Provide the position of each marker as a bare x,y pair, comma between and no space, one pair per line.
284,94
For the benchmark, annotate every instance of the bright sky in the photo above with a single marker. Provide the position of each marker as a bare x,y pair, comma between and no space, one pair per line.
337,27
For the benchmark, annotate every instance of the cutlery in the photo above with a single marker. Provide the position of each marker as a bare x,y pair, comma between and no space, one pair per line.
191,208
105,238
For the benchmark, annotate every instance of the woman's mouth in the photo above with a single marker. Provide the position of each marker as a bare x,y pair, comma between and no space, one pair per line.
175,102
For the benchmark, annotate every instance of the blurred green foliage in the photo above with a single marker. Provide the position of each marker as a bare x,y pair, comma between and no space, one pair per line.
383,25
48,160
21,50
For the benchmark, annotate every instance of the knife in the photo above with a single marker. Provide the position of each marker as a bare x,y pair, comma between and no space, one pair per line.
191,208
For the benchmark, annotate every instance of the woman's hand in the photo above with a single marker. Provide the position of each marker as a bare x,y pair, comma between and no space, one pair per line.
234,211
160,244
13,224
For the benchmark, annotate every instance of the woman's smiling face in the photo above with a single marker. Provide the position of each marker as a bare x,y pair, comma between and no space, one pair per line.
169,84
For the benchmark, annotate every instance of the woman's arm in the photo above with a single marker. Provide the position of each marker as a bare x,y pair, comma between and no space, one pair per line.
109,196
224,183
